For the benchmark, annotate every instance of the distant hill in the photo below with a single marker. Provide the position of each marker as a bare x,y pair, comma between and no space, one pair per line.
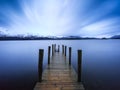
32,37
115,37
36,37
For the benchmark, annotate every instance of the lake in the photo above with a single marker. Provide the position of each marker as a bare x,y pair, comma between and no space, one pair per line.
100,63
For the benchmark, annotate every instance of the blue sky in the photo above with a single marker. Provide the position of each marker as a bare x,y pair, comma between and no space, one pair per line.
91,18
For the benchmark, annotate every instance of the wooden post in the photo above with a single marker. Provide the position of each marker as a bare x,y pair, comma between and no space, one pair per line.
49,49
65,50
52,49
40,64
58,48
70,55
79,65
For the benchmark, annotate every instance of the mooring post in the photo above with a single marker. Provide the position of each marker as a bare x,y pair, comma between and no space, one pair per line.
40,64
62,49
70,55
49,49
52,49
58,48
55,48
65,50
79,65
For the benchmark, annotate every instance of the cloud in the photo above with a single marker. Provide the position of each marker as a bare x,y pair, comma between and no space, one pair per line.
47,18
63,17
107,26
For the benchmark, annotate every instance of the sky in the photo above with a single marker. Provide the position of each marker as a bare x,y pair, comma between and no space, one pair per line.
87,18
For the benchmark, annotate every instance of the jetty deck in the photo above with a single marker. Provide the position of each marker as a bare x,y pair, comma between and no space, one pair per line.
59,75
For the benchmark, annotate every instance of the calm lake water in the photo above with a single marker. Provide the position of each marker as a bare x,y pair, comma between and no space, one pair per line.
100,65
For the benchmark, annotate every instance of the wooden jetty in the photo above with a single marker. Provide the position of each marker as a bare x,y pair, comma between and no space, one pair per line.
59,73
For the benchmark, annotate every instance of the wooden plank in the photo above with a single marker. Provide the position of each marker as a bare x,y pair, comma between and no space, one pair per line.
59,75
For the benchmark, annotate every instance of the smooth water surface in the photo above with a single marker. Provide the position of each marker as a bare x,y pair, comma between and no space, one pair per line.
100,65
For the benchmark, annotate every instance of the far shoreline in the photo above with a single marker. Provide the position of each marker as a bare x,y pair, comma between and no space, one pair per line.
54,39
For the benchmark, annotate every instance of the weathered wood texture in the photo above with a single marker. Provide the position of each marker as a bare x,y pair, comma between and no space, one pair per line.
59,75
49,50
79,65
65,50
70,49
40,64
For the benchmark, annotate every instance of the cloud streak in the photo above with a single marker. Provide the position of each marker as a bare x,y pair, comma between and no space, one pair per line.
63,18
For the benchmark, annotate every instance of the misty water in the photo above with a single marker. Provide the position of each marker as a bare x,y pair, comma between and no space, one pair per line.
100,63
